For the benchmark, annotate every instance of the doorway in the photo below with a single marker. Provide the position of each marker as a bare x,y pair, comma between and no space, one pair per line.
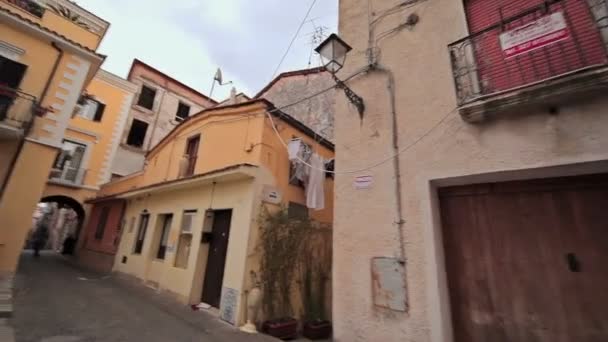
216,261
526,260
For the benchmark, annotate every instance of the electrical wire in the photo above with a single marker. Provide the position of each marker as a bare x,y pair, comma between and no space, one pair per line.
294,38
381,162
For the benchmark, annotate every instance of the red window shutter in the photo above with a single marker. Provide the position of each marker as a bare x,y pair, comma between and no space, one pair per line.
487,19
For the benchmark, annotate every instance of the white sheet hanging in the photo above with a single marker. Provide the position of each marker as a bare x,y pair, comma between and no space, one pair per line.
294,148
315,192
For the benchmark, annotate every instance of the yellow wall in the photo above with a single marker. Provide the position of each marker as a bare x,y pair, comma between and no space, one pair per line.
226,136
231,136
106,130
19,200
60,25
8,148
275,158
237,196
35,160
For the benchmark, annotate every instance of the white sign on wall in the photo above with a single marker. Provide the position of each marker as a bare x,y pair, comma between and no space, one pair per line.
363,182
545,31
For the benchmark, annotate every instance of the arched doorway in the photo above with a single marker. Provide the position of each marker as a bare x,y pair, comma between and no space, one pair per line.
64,218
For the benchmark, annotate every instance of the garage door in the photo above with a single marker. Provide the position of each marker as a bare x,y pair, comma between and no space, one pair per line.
528,261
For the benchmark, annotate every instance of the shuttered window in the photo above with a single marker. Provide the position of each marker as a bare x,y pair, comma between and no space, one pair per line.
487,19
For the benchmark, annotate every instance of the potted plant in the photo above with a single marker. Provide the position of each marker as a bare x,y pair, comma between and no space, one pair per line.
282,239
315,267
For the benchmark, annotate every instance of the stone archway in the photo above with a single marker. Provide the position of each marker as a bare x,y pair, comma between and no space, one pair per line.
64,223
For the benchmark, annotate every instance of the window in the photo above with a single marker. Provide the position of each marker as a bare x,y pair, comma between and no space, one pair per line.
185,239
141,233
297,211
91,109
68,165
192,154
137,134
146,97
296,168
183,111
164,236
101,223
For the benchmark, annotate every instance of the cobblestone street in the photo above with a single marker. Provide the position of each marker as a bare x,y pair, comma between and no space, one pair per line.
58,302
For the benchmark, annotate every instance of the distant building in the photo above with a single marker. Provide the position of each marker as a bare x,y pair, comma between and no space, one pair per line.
293,86
161,103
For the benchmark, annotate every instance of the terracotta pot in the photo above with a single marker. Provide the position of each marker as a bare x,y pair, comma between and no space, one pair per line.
283,328
317,330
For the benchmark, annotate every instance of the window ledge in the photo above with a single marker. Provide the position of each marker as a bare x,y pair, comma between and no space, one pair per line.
549,92
132,148
143,109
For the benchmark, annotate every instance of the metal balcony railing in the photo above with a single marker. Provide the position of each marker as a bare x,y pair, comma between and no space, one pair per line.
29,6
68,175
556,38
17,108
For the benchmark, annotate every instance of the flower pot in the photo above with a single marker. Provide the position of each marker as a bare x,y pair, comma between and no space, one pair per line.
317,330
283,328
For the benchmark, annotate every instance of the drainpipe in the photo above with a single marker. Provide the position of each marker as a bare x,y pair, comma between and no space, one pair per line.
399,220
28,127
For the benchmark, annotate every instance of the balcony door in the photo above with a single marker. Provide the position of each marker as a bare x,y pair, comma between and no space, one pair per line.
192,154
70,162
11,74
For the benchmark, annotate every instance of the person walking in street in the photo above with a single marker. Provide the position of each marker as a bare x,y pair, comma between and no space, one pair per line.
40,237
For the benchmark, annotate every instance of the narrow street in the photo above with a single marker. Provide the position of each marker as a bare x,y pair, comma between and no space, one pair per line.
57,302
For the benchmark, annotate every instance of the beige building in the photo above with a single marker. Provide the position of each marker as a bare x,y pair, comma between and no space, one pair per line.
187,224
160,104
470,233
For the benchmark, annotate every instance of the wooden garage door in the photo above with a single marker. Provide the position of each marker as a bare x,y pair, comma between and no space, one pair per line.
528,261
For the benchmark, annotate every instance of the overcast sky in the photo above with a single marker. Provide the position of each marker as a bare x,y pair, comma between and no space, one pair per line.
189,39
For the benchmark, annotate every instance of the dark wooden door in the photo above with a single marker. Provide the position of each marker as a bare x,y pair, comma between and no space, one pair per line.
216,261
528,261
192,152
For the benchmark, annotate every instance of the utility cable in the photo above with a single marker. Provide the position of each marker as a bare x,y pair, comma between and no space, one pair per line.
381,162
294,38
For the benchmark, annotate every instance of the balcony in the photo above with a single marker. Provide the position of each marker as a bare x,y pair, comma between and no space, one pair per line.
543,56
17,110
68,176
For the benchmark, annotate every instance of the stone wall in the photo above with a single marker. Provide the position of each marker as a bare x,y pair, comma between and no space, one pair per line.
316,113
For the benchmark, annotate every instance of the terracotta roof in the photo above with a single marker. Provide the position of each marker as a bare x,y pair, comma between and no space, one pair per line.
151,68
57,34
302,72
177,180
271,108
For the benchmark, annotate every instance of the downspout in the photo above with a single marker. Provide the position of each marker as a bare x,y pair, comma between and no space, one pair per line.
374,66
28,126
399,220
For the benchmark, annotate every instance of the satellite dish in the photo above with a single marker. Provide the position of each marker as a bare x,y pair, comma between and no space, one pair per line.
218,76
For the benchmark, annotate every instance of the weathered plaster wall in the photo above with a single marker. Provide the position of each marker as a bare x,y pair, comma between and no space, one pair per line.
161,119
316,113
238,196
522,143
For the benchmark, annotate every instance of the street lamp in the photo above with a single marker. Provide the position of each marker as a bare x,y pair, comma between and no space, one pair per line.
333,53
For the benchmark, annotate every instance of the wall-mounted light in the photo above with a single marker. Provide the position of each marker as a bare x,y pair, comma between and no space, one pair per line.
333,51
